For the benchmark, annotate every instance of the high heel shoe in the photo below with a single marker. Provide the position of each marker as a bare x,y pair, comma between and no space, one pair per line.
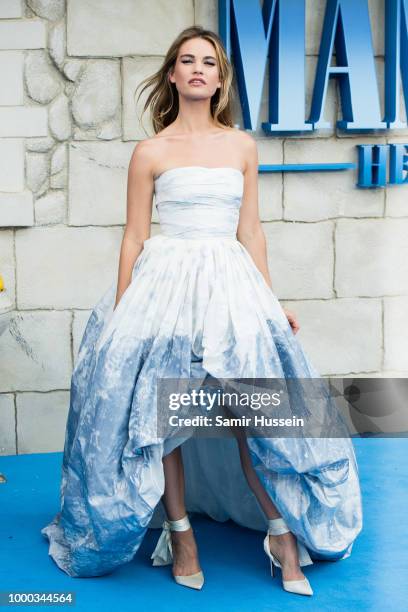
302,587
163,553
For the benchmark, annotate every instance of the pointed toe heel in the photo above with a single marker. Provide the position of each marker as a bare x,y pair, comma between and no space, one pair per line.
194,581
300,587
163,553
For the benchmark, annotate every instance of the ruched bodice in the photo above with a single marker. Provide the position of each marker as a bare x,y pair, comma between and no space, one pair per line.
199,202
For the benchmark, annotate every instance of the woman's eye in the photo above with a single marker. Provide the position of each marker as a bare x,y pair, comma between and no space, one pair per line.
189,62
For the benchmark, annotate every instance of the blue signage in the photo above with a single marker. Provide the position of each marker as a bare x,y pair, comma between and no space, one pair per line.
253,34
276,31
373,165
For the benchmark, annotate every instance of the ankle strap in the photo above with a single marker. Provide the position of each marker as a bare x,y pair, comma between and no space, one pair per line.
277,526
180,525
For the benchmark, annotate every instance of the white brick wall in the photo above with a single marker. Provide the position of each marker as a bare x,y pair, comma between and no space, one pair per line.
11,78
337,254
12,164
11,8
22,34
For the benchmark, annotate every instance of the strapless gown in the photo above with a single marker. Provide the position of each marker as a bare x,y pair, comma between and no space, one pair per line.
196,305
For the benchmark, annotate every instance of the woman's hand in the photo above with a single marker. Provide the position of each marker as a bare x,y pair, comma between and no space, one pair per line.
292,320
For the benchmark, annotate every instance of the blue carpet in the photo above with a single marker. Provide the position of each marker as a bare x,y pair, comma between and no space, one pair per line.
237,575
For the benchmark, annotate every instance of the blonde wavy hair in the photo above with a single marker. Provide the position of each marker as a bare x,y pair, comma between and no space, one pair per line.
163,99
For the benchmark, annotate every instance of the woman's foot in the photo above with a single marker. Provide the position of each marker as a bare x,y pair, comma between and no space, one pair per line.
185,556
284,548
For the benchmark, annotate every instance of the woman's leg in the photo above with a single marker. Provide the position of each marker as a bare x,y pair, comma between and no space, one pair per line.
183,543
283,546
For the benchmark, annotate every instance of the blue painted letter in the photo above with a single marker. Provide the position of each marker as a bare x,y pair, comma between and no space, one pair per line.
372,165
252,34
396,60
347,27
398,164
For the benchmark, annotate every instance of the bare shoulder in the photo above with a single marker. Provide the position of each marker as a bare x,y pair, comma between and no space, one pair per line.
246,139
246,143
143,157
243,139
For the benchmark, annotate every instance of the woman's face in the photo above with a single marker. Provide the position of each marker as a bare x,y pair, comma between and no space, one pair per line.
196,69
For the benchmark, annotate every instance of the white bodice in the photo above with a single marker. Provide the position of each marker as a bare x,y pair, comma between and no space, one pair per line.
199,202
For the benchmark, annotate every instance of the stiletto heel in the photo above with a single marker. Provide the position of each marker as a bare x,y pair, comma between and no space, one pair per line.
301,587
163,553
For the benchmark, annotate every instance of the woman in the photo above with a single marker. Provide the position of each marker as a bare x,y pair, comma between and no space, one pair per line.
191,301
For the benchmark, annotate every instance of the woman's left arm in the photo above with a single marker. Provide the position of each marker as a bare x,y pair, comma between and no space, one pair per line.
250,232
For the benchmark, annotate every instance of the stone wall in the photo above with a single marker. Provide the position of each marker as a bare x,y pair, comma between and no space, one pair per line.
68,125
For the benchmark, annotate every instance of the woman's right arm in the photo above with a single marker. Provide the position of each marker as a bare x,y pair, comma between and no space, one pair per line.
140,187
